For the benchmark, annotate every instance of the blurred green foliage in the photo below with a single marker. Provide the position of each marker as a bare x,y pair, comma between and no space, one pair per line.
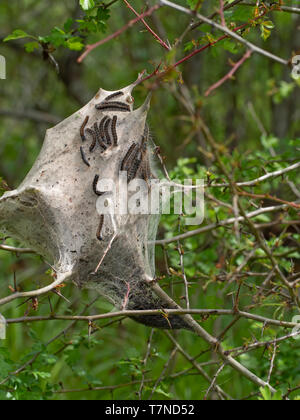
254,118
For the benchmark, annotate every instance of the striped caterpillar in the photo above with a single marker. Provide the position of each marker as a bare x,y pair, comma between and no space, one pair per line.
82,135
113,106
99,137
114,130
101,128
144,170
93,134
128,157
136,161
114,95
106,132
135,165
100,227
84,157
95,182
132,161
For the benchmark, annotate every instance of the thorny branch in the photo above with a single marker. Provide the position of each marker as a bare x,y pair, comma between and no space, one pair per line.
228,32
148,27
129,313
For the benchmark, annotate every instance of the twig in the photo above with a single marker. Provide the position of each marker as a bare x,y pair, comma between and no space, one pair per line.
263,178
110,3
237,214
290,390
212,341
196,365
230,74
221,223
145,363
162,43
212,385
294,188
280,8
205,312
249,347
34,293
213,15
108,246
228,32
17,250
269,197
91,47
166,366
272,363
221,12
181,256
126,298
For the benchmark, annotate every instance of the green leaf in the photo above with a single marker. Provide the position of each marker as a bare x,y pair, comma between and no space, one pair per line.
230,46
266,393
269,141
269,24
57,38
266,28
17,34
68,25
239,13
31,46
74,44
87,4
192,3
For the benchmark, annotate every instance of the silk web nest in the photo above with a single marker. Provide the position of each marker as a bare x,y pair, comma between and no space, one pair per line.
54,211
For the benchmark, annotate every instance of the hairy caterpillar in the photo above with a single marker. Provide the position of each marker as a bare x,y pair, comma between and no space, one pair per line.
99,137
101,127
93,134
114,95
114,130
95,182
83,138
144,170
99,230
134,165
125,161
84,157
106,132
113,106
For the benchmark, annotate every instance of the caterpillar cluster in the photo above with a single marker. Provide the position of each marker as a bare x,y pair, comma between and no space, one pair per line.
105,135
136,161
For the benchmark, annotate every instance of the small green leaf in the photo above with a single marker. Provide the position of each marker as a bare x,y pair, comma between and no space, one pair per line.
266,28
68,25
266,393
269,24
192,3
31,46
87,4
17,34
230,46
74,44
